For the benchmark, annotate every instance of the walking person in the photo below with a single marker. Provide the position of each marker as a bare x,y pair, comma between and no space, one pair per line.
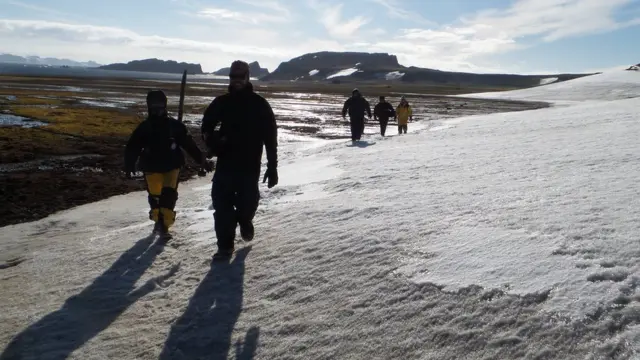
356,106
382,112
246,124
404,114
158,142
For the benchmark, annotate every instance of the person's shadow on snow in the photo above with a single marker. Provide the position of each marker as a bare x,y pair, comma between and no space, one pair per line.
86,314
205,329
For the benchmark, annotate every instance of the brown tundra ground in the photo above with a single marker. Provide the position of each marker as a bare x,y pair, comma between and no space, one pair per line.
62,139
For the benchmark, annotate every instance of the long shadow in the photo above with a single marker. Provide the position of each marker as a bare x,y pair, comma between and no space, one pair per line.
85,315
205,329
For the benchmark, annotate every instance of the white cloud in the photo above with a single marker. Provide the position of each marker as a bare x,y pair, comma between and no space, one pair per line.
267,33
396,10
111,44
260,12
469,44
330,16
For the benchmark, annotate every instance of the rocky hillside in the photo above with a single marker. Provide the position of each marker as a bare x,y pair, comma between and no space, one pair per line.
347,67
156,65
256,71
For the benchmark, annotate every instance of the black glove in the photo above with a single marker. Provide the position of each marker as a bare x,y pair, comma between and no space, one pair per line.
272,175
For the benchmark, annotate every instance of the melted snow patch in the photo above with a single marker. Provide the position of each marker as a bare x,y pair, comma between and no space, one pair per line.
394,75
548,80
313,72
345,72
14,120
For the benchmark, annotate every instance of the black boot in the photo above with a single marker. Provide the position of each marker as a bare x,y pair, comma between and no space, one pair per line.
223,254
247,232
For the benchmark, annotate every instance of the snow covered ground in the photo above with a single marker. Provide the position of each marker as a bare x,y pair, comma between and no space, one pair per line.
499,236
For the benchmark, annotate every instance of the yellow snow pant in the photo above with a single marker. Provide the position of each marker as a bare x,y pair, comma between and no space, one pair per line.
163,195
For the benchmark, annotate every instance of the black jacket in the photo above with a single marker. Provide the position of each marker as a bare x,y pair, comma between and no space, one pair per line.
357,106
158,142
247,123
384,110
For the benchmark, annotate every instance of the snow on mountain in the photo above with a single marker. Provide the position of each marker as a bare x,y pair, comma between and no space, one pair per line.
394,75
503,236
313,72
548,80
345,72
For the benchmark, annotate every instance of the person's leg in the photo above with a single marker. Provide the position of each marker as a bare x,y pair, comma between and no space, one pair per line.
383,126
169,197
154,190
247,200
359,125
361,129
399,129
354,129
224,213
404,128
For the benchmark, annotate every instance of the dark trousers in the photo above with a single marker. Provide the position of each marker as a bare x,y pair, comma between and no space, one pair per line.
235,199
383,125
402,128
357,128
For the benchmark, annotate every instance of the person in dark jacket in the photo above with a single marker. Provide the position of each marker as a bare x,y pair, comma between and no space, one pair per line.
246,124
158,142
356,105
382,112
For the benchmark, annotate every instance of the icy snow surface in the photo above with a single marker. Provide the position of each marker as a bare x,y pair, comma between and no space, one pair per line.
613,85
500,236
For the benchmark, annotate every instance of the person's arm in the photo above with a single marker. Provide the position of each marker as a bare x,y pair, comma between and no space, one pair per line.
270,135
209,120
410,113
133,148
346,106
186,142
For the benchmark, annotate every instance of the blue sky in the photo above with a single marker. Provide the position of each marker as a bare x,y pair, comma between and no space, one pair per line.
516,36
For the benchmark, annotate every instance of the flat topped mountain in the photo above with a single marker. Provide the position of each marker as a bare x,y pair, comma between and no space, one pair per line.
156,65
254,67
360,66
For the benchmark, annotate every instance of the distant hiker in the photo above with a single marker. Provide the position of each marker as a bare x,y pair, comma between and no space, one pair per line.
247,123
403,114
158,142
356,105
382,112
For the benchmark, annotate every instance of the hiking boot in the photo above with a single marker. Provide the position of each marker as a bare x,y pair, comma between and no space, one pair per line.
247,231
223,254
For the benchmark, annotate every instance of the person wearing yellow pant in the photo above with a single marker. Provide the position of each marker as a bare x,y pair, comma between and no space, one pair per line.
163,195
404,114
158,142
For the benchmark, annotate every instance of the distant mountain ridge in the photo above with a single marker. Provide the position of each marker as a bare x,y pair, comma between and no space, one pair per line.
356,67
37,60
254,67
156,65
